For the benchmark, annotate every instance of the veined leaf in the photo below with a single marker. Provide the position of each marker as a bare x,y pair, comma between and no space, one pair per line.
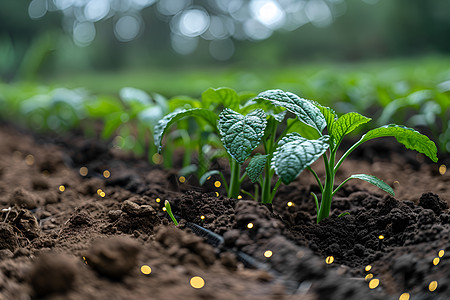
241,134
278,117
305,110
295,153
164,123
225,96
409,137
329,114
373,180
346,124
256,167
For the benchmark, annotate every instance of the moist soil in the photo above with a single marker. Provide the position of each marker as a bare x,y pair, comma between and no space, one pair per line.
67,231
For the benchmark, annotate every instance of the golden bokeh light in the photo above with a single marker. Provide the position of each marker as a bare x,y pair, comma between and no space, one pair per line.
442,169
84,171
268,253
433,286
441,253
381,237
368,277
197,282
404,296
217,194
239,197
145,269
158,200
290,204
217,184
62,188
436,261
250,225
157,158
182,179
202,217
106,174
368,268
329,260
374,283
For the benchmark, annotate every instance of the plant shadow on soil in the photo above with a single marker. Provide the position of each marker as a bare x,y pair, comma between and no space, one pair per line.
68,236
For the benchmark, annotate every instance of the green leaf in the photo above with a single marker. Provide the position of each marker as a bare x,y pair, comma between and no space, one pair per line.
256,166
329,114
164,123
225,96
373,180
294,153
346,124
241,134
208,174
130,94
409,137
304,130
304,109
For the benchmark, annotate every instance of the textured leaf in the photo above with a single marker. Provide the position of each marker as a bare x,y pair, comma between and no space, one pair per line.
256,167
329,114
225,96
169,119
294,153
346,124
241,134
375,181
304,109
409,137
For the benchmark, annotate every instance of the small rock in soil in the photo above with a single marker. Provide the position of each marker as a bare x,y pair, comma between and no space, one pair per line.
80,218
137,210
113,257
24,199
8,240
28,224
52,273
187,248
431,201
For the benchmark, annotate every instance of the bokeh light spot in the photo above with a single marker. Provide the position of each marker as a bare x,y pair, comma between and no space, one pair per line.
374,283
145,269
197,282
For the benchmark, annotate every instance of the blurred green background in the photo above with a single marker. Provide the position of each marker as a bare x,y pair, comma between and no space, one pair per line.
38,41
388,59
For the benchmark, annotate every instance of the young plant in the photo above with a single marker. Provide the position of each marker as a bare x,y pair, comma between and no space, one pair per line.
169,212
294,153
206,112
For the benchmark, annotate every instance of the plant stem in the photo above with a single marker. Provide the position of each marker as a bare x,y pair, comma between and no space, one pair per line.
327,195
316,177
234,187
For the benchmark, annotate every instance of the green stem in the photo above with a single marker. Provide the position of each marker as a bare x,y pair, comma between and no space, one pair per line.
339,187
315,200
327,195
234,187
347,153
316,177
275,189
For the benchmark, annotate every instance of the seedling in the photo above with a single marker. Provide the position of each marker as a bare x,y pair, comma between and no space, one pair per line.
206,113
294,153
169,212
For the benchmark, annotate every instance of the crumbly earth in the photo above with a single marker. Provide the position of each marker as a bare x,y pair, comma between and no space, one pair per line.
65,234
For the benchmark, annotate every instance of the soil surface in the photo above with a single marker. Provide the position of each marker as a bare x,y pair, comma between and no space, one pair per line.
70,230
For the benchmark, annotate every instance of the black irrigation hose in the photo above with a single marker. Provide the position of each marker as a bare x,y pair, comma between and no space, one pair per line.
217,240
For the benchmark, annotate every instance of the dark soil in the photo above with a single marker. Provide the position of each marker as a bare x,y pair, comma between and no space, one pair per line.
68,236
